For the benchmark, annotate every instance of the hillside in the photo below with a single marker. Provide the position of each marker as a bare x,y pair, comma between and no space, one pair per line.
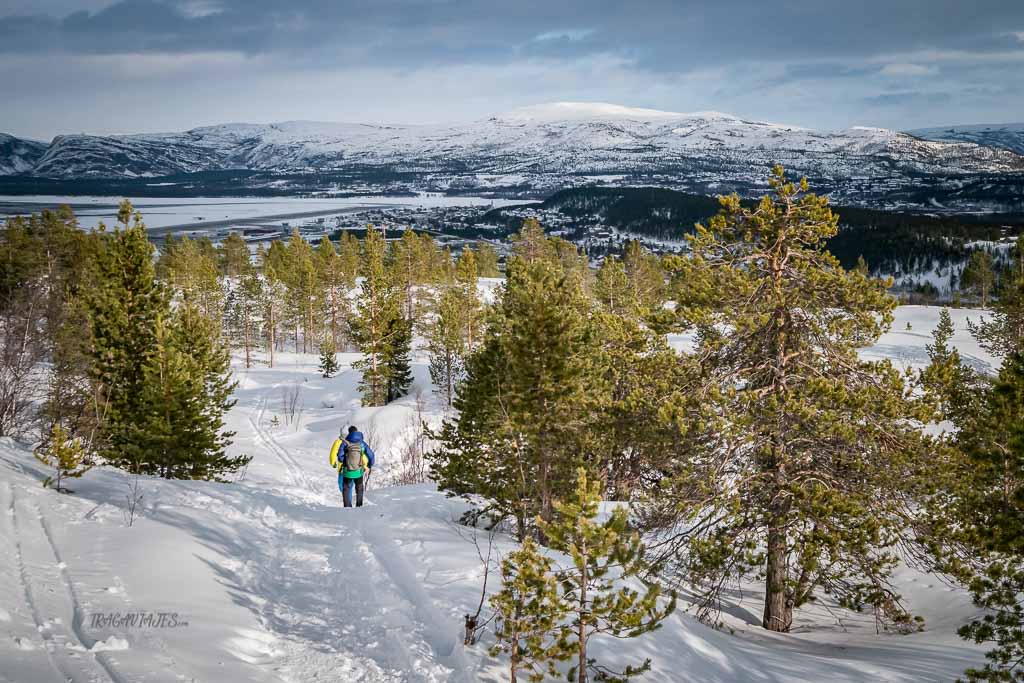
18,155
891,242
1008,136
268,579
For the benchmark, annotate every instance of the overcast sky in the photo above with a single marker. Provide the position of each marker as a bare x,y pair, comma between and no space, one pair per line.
102,66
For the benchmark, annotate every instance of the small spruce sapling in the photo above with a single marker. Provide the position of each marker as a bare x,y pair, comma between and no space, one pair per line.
529,614
67,456
328,359
606,557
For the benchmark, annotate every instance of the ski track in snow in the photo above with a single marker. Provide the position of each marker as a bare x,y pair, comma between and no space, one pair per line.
295,471
24,597
48,589
437,631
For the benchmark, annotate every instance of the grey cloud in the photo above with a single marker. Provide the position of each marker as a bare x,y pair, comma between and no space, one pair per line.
811,62
661,34
897,99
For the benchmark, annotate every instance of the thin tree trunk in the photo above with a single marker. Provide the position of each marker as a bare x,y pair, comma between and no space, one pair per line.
273,327
247,340
513,665
334,316
778,609
582,629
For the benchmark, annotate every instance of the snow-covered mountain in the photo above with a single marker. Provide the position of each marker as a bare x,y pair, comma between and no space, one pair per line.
554,139
1009,136
18,155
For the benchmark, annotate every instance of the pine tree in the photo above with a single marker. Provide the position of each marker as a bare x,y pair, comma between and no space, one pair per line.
275,295
65,455
328,359
410,267
233,255
530,612
530,243
246,310
303,290
191,270
611,287
348,259
397,358
603,556
991,516
66,255
333,285
1002,333
466,268
486,260
188,390
955,386
162,375
645,278
123,309
978,276
374,322
643,375
527,409
824,449
445,336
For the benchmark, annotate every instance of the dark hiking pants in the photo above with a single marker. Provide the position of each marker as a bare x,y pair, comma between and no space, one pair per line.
346,491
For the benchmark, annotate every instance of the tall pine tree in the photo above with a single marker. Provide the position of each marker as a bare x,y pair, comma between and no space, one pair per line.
527,414
162,376
374,325
823,449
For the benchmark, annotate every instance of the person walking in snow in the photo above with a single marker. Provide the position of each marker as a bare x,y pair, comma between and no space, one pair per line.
353,458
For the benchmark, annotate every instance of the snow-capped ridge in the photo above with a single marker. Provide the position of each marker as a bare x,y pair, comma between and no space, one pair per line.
553,140
1007,136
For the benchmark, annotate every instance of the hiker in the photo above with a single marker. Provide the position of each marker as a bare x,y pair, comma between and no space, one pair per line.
353,458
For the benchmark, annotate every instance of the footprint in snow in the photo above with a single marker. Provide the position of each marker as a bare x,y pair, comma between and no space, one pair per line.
253,647
111,644
24,643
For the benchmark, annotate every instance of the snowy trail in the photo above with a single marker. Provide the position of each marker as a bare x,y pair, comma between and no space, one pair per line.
370,608
438,631
295,471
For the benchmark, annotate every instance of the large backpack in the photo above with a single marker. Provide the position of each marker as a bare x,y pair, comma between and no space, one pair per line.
353,456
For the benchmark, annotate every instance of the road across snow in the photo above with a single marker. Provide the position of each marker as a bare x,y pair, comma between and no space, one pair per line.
270,579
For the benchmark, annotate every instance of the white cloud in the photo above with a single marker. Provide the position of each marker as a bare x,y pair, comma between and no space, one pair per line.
948,56
567,34
167,64
197,9
906,69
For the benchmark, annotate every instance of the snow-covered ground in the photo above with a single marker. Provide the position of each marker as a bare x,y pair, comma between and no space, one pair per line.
270,579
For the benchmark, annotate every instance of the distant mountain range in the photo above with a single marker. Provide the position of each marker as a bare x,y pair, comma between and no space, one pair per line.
1008,136
534,149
